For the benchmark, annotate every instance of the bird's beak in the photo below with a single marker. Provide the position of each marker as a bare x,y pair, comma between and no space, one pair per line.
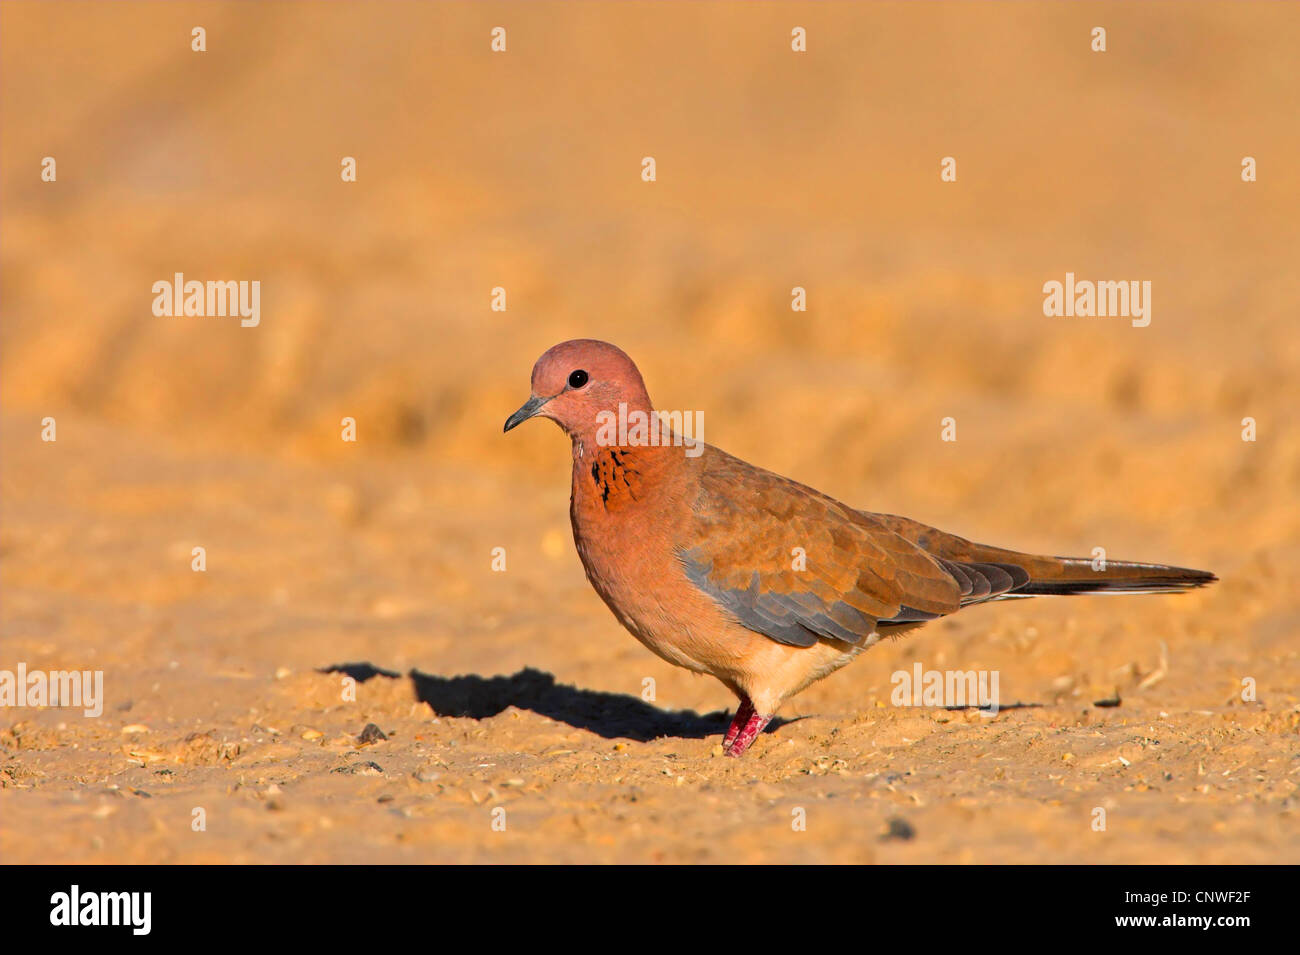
530,408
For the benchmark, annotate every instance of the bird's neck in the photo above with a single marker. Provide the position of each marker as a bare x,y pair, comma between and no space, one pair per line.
614,478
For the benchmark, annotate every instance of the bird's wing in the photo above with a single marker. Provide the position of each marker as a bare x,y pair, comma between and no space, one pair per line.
797,566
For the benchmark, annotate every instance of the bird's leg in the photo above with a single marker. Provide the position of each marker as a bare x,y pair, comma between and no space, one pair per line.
748,733
743,713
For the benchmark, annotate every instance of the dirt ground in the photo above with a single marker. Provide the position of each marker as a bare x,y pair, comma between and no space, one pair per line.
349,584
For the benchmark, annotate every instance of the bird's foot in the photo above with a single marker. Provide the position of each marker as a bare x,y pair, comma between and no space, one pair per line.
747,734
743,713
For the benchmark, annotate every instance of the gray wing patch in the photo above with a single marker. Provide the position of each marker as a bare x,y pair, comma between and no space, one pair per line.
979,582
910,615
801,618
797,619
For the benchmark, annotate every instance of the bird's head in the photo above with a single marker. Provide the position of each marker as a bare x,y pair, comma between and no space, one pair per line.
574,381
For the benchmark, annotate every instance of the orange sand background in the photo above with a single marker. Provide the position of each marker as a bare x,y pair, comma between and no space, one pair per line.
522,170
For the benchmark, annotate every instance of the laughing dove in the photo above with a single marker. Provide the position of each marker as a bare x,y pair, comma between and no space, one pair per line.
691,549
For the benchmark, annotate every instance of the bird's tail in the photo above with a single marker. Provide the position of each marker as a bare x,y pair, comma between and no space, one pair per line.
995,572
1075,575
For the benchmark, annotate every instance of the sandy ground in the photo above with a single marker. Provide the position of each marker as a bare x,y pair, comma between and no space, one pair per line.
335,567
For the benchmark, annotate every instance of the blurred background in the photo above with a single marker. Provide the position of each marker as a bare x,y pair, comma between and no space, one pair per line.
522,170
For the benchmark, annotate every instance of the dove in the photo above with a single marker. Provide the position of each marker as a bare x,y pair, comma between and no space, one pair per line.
691,548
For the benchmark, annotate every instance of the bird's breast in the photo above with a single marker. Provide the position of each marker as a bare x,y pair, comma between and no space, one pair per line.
625,526
621,524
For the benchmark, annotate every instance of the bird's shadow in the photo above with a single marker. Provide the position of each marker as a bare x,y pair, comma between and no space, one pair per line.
610,715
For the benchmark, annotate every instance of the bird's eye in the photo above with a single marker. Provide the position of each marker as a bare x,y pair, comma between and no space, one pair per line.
578,379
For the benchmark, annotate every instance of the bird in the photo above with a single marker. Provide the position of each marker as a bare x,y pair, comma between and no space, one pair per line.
691,549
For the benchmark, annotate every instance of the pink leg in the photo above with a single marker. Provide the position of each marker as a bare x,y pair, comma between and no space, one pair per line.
753,726
743,713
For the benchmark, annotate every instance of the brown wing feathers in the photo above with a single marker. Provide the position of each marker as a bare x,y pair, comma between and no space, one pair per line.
744,549
861,570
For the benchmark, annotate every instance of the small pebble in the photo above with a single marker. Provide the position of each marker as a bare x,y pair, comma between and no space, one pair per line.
361,769
371,734
899,828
